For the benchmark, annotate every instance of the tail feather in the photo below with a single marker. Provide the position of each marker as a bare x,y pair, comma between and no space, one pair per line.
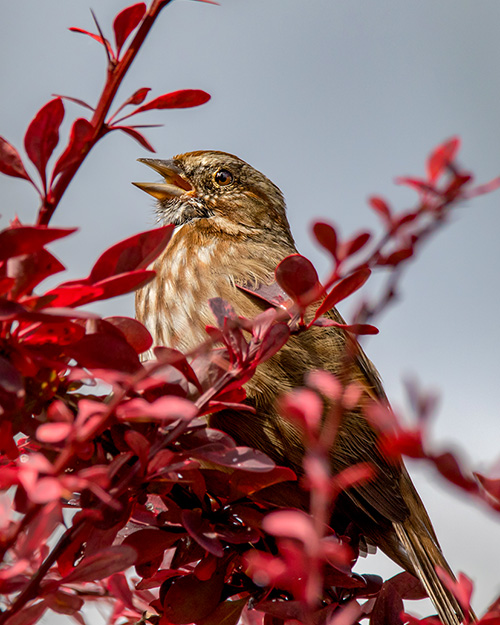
424,556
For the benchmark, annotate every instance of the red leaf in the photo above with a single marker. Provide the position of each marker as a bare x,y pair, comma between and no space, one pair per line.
303,407
227,612
388,607
448,466
98,38
59,332
81,133
396,257
126,21
246,483
291,524
74,295
274,340
29,270
131,254
236,457
136,334
10,161
137,97
149,543
28,239
354,245
176,359
326,237
53,432
28,616
166,408
343,289
441,157
461,588
140,138
110,560
42,135
381,207
296,275
185,98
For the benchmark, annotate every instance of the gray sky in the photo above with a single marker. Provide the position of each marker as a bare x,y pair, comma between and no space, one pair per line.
331,100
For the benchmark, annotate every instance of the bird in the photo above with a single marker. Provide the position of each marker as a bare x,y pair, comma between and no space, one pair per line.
231,229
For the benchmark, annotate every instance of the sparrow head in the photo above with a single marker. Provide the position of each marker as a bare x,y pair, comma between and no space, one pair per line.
217,187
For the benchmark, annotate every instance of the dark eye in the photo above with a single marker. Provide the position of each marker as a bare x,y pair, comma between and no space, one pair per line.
223,177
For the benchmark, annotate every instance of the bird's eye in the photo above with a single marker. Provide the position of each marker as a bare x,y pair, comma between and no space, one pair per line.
223,177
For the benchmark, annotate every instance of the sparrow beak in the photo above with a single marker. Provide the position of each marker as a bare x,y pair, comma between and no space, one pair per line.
175,183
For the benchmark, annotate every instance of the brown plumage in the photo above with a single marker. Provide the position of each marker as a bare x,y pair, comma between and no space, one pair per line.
233,230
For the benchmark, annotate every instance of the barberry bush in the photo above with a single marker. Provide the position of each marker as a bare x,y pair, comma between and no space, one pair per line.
113,488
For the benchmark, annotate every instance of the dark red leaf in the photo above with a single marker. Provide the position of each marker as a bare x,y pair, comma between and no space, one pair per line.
270,293
74,100
326,237
131,254
178,601
28,239
236,457
105,351
139,137
149,543
10,161
98,38
202,531
343,289
136,334
388,607
64,602
296,275
381,207
110,560
42,135
228,612
408,586
441,157
175,100
80,136
126,21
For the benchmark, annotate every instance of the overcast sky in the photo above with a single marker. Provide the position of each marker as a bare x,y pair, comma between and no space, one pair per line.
332,99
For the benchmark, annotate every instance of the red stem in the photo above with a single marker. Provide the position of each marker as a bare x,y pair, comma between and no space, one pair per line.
115,75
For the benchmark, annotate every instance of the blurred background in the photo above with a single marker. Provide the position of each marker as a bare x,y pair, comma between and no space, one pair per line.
332,101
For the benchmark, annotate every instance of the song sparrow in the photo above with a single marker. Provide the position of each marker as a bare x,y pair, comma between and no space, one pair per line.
233,229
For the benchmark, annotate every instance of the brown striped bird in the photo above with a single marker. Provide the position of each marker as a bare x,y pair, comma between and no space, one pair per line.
232,229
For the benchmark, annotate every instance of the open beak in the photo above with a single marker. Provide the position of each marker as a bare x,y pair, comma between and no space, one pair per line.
175,183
